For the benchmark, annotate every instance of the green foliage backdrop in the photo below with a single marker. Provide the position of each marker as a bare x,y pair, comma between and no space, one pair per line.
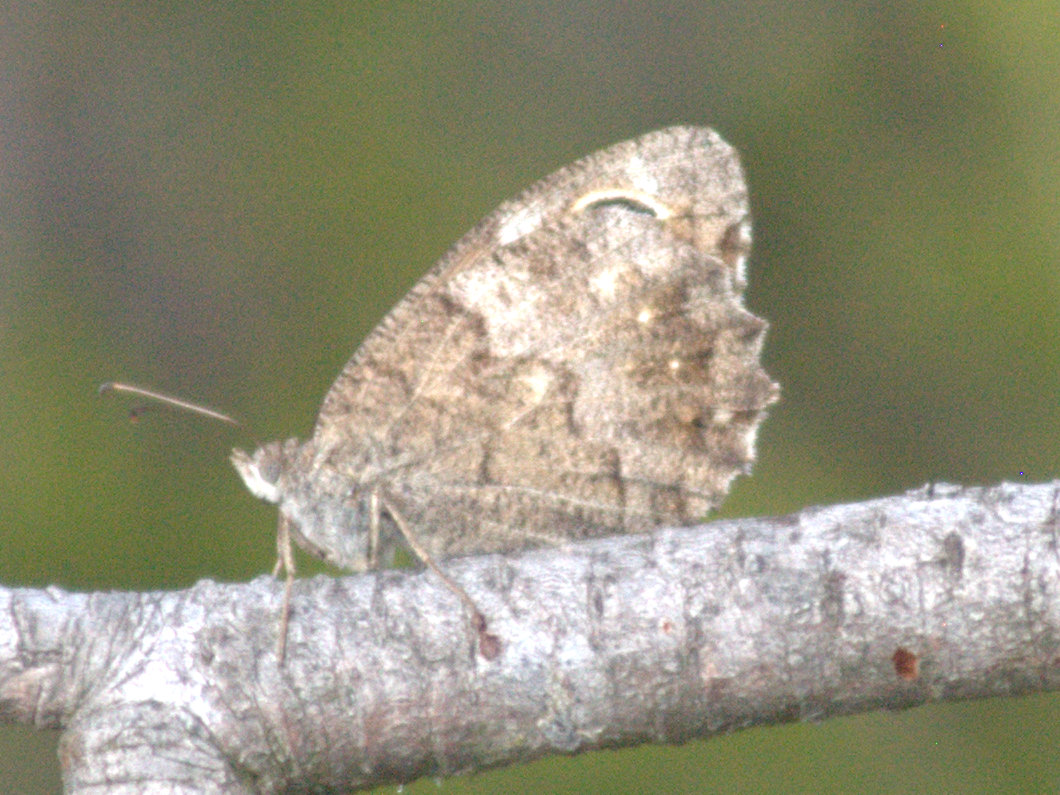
220,200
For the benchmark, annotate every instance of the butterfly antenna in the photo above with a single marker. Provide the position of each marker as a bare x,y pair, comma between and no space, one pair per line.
167,400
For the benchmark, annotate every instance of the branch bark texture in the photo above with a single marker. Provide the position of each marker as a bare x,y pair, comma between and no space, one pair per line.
942,593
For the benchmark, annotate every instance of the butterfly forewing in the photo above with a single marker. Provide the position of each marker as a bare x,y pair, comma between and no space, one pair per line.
580,363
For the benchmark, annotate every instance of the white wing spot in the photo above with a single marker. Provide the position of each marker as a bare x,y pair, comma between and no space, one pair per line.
605,283
519,224
538,384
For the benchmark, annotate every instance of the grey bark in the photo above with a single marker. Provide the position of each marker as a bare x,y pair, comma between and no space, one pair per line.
942,593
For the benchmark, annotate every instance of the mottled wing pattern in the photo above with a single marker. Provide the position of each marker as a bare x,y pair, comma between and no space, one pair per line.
578,364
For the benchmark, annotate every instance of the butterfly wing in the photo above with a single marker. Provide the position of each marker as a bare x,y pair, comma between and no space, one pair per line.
578,364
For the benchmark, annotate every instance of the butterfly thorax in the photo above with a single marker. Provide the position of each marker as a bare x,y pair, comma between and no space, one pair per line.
329,514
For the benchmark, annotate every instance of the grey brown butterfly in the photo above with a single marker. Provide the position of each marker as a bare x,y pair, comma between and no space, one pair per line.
579,364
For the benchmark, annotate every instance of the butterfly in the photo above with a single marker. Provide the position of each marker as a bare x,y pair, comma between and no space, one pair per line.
579,364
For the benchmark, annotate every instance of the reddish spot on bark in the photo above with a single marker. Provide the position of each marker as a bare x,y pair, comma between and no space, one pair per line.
489,646
906,664
667,626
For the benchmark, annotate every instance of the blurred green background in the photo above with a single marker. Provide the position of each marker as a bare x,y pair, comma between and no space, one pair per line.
221,200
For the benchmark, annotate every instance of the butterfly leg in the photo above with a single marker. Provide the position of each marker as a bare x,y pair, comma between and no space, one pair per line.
489,644
373,531
285,561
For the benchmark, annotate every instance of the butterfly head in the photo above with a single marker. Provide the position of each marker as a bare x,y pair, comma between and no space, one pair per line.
265,470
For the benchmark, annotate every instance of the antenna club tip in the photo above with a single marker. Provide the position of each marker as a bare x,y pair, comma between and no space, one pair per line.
105,387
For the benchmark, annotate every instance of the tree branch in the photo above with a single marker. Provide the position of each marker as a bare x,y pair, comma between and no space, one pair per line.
942,593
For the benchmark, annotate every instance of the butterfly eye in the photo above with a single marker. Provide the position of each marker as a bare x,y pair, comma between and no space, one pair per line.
270,470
